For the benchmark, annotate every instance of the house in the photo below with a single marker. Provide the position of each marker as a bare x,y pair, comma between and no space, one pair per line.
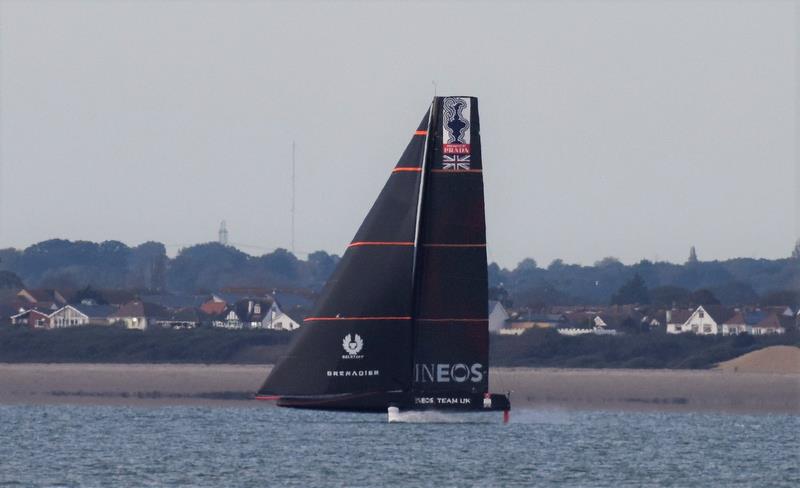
704,321
254,314
68,316
213,307
277,320
228,319
33,318
81,314
498,316
138,315
97,314
654,319
742,322
675,320
184,318
769,325
538,321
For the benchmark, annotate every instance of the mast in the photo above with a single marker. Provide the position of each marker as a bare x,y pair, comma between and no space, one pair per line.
423,166
423,169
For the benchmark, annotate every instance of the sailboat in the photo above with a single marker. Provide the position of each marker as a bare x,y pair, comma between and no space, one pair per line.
402,324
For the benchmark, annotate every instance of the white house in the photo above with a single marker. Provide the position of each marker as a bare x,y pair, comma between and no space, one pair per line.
229,319
277,320
68,316
138,315
675,320
497,316
702,322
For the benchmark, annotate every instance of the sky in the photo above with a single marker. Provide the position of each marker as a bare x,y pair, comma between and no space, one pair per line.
627,129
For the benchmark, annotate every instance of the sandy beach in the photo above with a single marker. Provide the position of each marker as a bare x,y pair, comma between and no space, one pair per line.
233,385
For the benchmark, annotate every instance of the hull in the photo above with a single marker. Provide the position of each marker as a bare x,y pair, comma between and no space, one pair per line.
380,402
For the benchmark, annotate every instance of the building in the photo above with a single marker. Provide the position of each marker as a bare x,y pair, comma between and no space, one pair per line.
255,314
33,318
498,316
769,325
277,320
538,321
68,316
742,322
184,318
213,307
723,321
675,320
138,315
703,321
228,319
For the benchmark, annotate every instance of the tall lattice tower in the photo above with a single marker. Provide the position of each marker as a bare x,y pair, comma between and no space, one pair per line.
223,233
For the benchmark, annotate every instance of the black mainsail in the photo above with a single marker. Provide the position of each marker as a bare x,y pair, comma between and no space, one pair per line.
403,319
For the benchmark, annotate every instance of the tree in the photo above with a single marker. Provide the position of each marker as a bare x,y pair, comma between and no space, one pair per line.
10,280
735,293
322,264
527,264
633,291
703,297
692,256
778,298
607,262
669,296
555,265
796,250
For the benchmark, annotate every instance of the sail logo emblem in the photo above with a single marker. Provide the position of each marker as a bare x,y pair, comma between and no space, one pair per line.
352,345
456,112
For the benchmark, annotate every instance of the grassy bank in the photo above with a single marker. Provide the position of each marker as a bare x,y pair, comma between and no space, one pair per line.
542,348
547,348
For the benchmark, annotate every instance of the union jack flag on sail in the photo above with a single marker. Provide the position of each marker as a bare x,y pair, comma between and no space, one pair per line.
455,162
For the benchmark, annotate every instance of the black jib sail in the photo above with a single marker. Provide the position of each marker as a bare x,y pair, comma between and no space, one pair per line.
403,319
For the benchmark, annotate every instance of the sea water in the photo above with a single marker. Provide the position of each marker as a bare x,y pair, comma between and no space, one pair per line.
102,446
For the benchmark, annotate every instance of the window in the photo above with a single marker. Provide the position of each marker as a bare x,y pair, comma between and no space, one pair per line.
706,329
701,314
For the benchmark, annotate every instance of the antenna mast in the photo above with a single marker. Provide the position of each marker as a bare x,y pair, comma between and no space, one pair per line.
293,193
223,233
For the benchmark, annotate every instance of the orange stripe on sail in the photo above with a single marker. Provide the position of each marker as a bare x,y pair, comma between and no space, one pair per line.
318,319
420,133
379,243
398,170
268,398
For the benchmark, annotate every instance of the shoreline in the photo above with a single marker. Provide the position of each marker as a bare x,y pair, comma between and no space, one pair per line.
220,385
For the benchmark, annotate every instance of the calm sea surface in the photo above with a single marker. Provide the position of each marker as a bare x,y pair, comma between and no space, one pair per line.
192,446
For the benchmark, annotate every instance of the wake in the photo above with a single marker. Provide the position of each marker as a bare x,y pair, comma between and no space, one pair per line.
520,416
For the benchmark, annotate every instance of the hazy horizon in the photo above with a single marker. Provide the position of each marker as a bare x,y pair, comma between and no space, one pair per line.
633,130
